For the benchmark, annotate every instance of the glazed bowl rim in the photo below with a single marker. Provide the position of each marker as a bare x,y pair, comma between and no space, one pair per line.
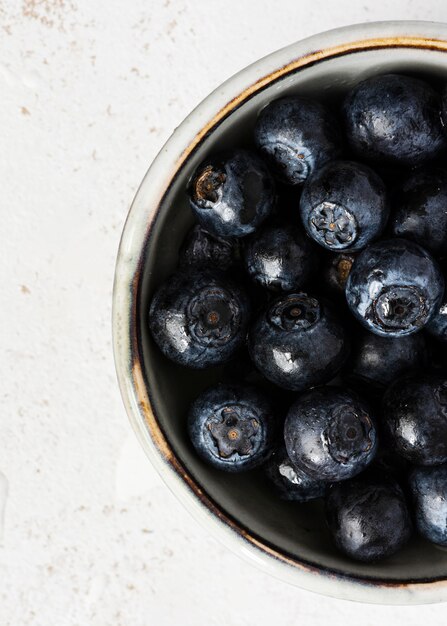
132,252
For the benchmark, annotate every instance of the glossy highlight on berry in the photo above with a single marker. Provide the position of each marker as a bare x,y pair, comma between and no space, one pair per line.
290,482
280,257
330,434
428,486
297,342
199,319
394,287
231,194
368,519
414,418
297,136
395,118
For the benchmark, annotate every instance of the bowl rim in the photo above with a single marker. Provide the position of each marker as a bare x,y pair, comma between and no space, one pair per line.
182,144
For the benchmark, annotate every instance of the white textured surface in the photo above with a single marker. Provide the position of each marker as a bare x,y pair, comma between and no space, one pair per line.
90,90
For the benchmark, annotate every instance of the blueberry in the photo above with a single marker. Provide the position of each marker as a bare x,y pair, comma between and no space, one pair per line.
415,418
280,257
437,326
297,136
368,519
231,194
297,342
428,486
336,269
330,434
379,360
290,482
202,249
394,287
199,319
394,118
344,206
421,211
232,427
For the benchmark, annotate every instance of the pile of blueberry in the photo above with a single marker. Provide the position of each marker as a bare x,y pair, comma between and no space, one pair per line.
319,282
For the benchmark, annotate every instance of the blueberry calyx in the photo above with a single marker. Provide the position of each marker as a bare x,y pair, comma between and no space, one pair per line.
343,269
348,434
234,431
400,307
296,311
333,225
207,187
213,315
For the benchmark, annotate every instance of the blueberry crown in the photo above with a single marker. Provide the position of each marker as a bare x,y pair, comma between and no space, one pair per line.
294,312
213,316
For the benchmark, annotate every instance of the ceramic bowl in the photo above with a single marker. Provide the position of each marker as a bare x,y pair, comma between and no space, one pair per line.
288,540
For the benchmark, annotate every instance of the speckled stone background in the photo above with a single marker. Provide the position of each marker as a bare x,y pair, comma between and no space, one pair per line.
90,90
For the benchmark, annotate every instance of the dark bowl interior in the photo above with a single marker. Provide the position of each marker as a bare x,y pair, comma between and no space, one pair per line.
296,530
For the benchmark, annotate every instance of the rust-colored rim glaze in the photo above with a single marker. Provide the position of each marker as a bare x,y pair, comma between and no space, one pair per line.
139,379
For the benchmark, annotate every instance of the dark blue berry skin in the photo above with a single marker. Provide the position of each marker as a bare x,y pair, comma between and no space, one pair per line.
199,319
378,361
394,287
289,482
428,486
368,519
421,211
414,415
437,326
330,434
280,257
202,249
297,342
232,427
394,118
231,194
297,136
344,206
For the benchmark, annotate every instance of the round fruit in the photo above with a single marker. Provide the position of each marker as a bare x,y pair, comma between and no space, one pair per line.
395,118
421,211
297,342
344,206
280,258
428,487
378,361
330,434
199,319
415,418
231,194
368,519
297,136
232,427
394,287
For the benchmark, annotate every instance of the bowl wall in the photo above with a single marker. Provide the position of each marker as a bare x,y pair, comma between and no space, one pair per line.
287,539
